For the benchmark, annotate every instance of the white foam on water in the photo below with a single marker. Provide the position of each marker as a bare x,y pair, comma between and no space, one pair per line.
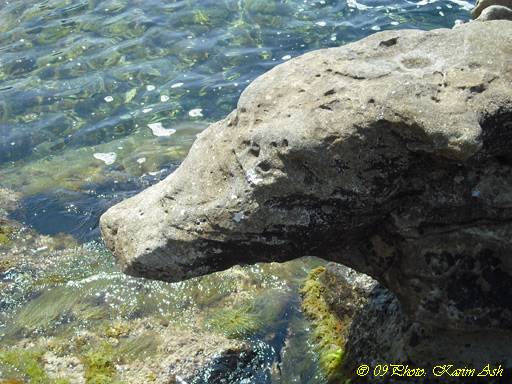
159,130
197,112
177,85
356,5
423,2
164,98
108,99
464,4
108,158
150,88
287,57
142,160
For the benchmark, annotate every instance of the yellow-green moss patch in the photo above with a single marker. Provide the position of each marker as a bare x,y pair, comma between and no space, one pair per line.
6,264
99,366
329,330
6,232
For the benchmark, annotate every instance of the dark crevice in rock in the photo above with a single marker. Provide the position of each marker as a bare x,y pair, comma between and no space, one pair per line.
330,106
389,42
351,75
497,134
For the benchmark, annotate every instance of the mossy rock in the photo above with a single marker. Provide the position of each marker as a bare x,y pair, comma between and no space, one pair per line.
28,364
329,330
6,232
99,366
117,330
6,264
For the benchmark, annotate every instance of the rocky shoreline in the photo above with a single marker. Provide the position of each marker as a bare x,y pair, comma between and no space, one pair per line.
390,155
69,317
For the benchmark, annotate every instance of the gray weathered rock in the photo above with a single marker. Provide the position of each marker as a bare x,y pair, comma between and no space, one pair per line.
391,155
346,291
483,4
495,12
380,332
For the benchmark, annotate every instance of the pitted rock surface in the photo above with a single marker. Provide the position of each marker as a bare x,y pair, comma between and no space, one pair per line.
391,155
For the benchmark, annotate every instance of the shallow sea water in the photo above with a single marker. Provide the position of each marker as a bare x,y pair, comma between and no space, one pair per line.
102,98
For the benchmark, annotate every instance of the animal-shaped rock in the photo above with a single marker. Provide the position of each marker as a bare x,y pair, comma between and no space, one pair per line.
391,155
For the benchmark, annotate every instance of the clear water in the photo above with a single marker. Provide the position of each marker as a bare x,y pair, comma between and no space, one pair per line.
81,80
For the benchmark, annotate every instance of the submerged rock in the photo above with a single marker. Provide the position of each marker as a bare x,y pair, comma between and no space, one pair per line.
8,201
144,352
390,155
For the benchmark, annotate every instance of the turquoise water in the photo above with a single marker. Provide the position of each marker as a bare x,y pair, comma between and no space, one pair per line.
100,99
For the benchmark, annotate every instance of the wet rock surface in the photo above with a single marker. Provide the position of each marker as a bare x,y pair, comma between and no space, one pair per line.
390,155
378,332
140,352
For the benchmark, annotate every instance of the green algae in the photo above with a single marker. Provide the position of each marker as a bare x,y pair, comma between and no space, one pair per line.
117,329
99,366
6,232
28,364
234,323
4,239
72,310
6,264
137,347
54,307
329,331
52,279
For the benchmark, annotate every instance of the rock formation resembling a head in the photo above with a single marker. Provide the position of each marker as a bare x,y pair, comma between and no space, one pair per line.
391,155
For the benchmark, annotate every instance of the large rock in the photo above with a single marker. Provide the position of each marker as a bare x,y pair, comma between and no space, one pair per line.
380,332
391,155
481,5
495,12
